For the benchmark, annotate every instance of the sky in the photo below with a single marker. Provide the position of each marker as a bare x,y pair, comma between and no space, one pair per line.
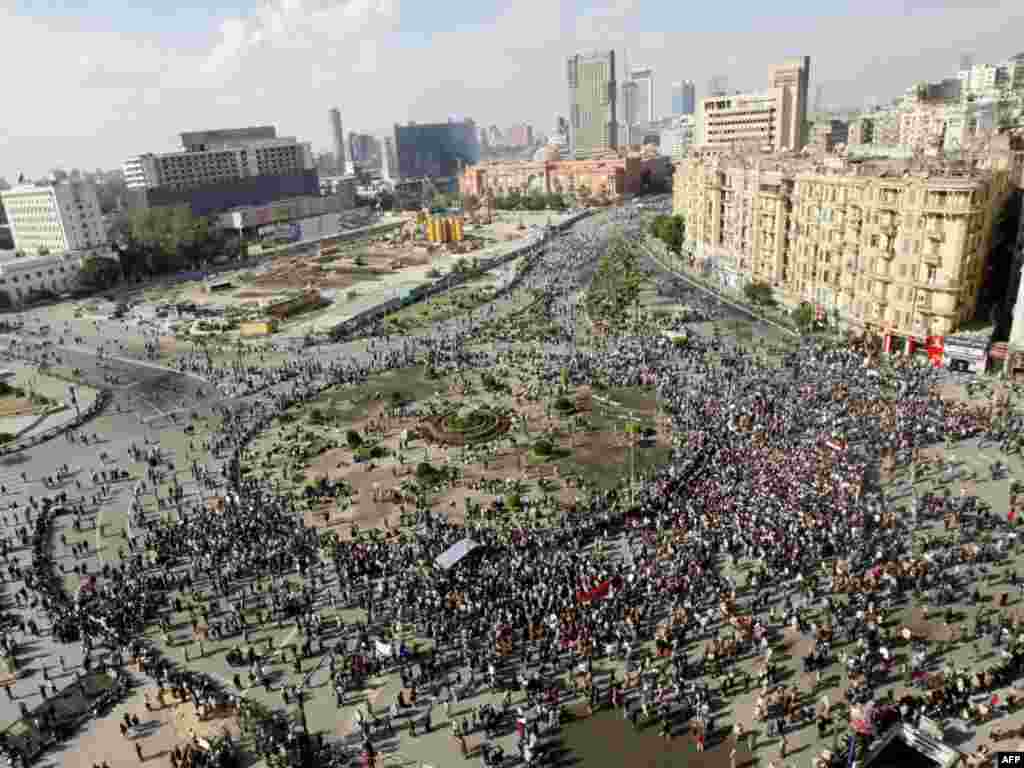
89,84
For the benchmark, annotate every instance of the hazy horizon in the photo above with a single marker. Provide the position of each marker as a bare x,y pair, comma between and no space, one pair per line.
104,82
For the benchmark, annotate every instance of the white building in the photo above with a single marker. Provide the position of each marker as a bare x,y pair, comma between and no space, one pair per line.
992,80
643,108
233,161
676,140
62,217
21,277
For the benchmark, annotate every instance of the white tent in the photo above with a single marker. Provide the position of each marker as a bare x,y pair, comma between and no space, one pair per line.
447,559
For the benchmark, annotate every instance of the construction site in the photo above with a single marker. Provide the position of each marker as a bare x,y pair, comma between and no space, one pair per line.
312,289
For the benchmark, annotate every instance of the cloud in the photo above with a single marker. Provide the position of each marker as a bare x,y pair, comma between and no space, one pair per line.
115,94
298,25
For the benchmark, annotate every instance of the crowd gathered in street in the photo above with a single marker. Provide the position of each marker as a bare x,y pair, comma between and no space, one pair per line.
775,466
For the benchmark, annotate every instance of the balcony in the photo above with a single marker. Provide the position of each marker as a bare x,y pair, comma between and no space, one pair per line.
945,286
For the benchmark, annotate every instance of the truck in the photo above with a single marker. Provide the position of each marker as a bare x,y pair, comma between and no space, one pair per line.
968,354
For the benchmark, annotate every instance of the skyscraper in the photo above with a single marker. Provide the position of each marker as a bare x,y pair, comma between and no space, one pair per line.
338,138
684,99
592,97
627,106
388,162
793,75
643,104
435,151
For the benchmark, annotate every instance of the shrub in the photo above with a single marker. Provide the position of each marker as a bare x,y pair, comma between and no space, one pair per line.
353,439
543,447
759,293
564,405
378,452
6,437
426,474
513,502
316,416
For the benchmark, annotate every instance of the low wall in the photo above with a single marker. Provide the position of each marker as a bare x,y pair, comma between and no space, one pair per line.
346,328
103,397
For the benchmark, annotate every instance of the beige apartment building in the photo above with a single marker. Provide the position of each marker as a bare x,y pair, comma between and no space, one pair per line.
901,255
745,121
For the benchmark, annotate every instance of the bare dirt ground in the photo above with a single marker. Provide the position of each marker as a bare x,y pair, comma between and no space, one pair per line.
162,729
508,230
15,406
375,506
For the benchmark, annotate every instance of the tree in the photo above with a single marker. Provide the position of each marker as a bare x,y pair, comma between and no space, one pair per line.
169,238
99,273
671,230
556,202
803,316
536,201
759,293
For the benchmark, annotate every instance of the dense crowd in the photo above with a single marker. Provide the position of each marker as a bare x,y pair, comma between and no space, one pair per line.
772,466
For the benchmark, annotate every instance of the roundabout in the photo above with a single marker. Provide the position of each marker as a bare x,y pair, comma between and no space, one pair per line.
464,427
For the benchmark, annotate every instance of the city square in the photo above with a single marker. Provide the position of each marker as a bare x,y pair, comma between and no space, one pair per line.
293,570
600,384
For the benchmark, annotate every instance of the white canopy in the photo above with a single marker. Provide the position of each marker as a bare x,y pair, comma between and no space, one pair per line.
447,559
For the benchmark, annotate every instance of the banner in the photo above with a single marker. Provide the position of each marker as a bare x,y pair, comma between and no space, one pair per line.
597,593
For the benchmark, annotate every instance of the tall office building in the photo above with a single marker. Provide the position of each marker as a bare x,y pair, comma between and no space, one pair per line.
388,163
59,217
338,137
643,104
436,151
794,76
684,100
592,97
627,113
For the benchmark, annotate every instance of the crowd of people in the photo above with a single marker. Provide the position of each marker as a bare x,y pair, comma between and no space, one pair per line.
773,467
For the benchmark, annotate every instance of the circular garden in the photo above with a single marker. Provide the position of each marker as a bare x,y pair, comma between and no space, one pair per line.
464,428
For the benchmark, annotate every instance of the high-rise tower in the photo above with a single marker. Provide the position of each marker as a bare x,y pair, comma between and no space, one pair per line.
592,97
338,138
644,108
794,75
